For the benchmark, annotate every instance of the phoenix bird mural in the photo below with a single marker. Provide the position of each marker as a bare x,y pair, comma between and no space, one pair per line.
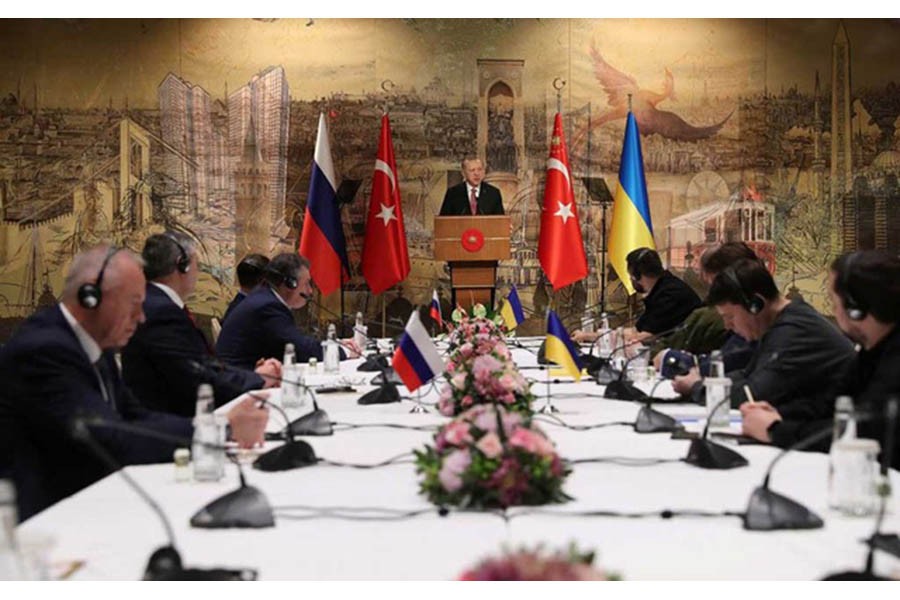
617,86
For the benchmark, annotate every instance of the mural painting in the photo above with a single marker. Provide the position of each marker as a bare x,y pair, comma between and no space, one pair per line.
781,133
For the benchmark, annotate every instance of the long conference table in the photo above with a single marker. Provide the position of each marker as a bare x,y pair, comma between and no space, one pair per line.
113,531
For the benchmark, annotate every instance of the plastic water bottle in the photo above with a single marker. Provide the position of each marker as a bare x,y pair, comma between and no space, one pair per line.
360,332
716,364
618,357
11,566
331,353
844,460
604,341
209,462
289,376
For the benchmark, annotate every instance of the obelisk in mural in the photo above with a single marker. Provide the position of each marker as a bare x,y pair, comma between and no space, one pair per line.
841,139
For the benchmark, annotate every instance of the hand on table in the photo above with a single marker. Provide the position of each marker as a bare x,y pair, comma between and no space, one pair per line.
248,422
270,370
684,383
351,348
756,418
579,336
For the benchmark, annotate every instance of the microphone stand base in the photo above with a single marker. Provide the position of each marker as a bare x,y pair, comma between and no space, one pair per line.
649,420
293,454
315,423
165,565
244,508
708,455
548,409
770,511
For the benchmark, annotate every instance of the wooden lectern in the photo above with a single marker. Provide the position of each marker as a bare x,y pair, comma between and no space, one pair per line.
472,245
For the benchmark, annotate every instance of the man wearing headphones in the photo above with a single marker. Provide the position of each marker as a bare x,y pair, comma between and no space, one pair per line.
864,288
798,351
169,356
250,273
262,324
59,366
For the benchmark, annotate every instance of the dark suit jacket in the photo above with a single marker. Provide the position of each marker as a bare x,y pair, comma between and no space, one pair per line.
48,381
456,201
238,298
668,304
160,362
259,328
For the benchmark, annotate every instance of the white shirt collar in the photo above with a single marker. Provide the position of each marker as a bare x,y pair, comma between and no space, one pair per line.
280,299
172,294
88,344
470,187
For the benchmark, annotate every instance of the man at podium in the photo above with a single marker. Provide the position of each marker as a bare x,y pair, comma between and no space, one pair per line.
473,196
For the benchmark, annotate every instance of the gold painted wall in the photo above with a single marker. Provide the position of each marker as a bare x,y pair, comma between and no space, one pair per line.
111,129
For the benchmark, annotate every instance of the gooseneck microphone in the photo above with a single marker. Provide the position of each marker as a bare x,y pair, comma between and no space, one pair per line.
706,454
620,389
165,563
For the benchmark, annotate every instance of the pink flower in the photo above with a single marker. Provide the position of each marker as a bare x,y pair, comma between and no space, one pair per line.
490,445
486,421
457,433
467,400
511,420
532,442
459,381
484,367
455,464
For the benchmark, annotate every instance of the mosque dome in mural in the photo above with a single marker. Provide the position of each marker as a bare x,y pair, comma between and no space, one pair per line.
889,160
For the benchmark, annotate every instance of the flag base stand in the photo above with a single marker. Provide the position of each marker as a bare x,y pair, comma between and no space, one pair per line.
548,408
418,408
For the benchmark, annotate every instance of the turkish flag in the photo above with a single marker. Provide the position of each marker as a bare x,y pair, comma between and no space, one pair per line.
560,247
385,259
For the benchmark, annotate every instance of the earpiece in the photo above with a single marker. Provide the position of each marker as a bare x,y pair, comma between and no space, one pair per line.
754,304
183,264
90,294
855,309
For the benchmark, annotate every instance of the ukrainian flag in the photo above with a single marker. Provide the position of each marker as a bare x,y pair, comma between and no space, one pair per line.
512,312
631,227
560,349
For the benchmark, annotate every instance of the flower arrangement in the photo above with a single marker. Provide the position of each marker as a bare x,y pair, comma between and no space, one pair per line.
489,457
538,565
481,370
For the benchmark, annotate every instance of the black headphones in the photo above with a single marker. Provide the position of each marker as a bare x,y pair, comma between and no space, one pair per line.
289,281
856,311
89,294
754,304
183,264
636,270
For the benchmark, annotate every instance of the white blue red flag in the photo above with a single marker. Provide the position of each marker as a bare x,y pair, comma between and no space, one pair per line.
436,309
416,359
322,238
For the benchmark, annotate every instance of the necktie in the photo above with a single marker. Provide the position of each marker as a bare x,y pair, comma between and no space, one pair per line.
190,315
473,202
100,368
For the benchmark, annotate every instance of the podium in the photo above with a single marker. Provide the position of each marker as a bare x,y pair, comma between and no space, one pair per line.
472,245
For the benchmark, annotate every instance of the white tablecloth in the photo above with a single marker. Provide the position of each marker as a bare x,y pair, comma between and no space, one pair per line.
110,528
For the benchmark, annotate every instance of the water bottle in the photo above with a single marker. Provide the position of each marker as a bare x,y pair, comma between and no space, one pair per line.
360,332
209,462
716,364
852,467
289,374
332,354
618,357
605,340
587,323
12,567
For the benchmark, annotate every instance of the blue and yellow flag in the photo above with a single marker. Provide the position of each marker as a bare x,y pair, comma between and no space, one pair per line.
631,227
560,349
512,312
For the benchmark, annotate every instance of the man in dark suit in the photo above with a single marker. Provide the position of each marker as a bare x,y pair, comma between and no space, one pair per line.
473,196
262,324
59,366
164,362
250,272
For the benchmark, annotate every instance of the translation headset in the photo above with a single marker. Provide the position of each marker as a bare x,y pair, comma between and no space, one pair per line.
856,311
754,304
89,294
289,281
636,270
183,264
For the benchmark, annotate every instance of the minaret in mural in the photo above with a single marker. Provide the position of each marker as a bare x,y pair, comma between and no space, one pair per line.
841,142
252,214
818,163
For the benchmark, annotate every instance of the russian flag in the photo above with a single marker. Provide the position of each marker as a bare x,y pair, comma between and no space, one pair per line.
322,238
416,359
436,309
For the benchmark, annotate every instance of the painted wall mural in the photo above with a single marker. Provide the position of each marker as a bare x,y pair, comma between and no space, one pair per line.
781,133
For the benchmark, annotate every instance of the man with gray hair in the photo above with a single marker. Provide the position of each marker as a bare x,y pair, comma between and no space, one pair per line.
59,367
169,356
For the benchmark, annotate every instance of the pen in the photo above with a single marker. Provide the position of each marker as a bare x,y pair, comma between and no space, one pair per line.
749,394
